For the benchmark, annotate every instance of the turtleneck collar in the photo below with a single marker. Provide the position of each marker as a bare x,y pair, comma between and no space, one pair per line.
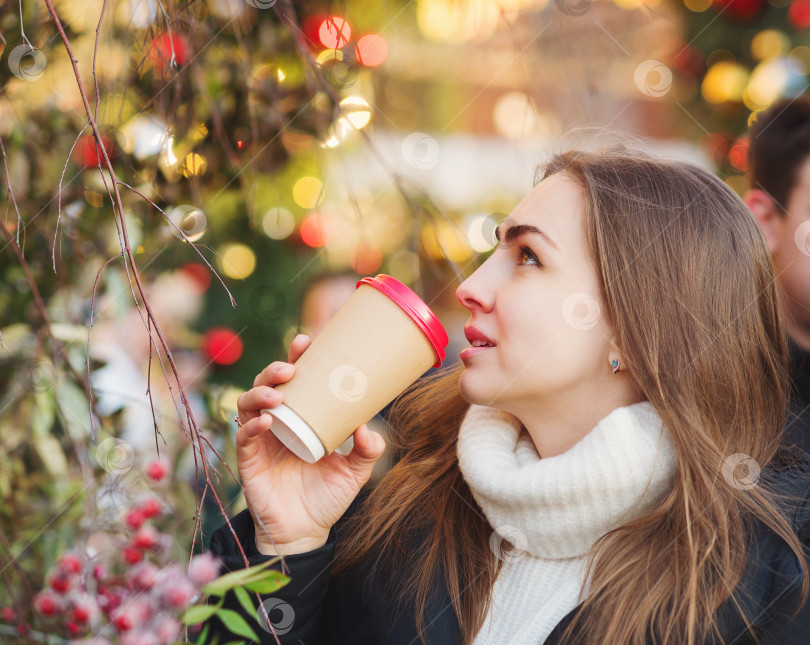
561,505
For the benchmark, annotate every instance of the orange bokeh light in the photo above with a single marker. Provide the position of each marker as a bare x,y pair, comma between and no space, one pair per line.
334,32
371,50
316,230
366,258
738,155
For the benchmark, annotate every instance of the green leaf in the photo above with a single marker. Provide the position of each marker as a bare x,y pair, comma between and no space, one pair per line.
233,579
204,634
198,613
273,581
244,599
236,624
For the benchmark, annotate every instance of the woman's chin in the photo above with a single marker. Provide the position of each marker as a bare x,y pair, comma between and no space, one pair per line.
472,392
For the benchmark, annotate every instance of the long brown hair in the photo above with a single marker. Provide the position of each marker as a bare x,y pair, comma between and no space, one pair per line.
688,286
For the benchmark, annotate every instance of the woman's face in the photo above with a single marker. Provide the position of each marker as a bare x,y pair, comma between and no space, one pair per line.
537,299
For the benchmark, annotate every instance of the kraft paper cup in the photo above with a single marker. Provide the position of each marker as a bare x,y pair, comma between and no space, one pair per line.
382,340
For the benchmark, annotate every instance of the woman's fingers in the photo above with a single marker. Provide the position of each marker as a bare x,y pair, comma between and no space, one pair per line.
251,429
298,346
368,448
257,399
275,373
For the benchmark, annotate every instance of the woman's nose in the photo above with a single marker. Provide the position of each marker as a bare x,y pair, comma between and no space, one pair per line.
473,292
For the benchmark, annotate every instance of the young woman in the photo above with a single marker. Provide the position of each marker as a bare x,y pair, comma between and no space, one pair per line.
605,470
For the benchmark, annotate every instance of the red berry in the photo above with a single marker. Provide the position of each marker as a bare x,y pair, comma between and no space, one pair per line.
22,629
150,508
109,601
143,576
70,563
81,614
135,519
132,555
99,572
156,470
122,621
46,603
73,628
7,614
179,595
203,569
60,583
145,538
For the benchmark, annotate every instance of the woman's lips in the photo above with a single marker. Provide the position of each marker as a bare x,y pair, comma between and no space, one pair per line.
472,351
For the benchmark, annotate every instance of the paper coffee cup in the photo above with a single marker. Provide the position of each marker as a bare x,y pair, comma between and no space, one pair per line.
382,340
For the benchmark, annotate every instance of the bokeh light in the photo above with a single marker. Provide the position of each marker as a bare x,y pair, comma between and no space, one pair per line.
194,165
371,50
199,275
769,43
315,230
278,223
481,232
366,258
725,81
334,32
236,260
308,192
697,6
404,266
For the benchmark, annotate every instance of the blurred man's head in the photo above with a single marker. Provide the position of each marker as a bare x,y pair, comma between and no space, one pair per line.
779,196
324,295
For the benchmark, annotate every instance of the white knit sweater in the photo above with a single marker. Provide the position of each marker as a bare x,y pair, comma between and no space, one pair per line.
553,510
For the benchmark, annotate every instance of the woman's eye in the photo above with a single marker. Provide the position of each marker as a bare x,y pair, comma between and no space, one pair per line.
527,254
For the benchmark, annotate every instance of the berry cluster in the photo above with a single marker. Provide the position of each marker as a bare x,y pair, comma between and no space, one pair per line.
133,595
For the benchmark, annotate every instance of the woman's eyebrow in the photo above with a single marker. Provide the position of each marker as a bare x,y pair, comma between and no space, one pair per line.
514,232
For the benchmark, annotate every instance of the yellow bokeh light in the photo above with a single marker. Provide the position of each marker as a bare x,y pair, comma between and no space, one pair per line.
237,261
725,81
356,110
308,192
767,82
281,76
768,44
697,5
445,241
328,55
457,21
194,165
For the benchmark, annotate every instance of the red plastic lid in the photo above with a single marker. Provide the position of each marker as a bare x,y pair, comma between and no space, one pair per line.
415,307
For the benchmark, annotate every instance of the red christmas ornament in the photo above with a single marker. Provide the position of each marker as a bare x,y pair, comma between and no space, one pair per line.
799,14
87,148
199,274
222,345
739,10
311,25
164,47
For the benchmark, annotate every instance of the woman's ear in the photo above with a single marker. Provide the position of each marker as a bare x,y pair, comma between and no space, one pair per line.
768,214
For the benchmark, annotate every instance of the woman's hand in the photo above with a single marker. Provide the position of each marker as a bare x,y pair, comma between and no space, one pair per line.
297,502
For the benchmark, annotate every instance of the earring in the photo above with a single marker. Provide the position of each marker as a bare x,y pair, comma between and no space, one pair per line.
616,365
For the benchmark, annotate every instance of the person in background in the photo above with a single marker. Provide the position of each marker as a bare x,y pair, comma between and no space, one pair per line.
779,197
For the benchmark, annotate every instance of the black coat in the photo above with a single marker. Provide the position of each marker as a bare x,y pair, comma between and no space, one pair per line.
797,429
356,609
